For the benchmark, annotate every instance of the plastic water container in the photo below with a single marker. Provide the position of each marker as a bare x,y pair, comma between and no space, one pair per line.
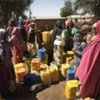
64,68
46,36
36,64
53,63
41,54
70,53
46,77
19,65
20,71
70,74
54,74
70,89
31,79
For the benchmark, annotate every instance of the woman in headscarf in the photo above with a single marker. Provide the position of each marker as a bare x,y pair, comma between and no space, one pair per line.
18,45
67,35
32,33
22,29
11,25
7,74
57,30
26,25
88,71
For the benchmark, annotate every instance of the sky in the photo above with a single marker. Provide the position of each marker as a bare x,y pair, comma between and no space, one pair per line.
41,8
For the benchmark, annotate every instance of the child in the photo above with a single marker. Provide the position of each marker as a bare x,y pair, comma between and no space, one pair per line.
78,48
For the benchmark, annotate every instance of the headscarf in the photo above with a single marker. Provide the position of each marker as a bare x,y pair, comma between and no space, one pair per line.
20,23
12,22
69,23
59,23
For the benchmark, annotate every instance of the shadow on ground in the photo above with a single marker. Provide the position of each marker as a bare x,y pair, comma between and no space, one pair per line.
22,93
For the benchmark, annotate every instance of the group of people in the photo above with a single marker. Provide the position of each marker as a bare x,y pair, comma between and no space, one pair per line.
71,38
13,41
83,42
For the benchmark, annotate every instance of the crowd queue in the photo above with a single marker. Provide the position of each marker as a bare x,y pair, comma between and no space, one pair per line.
83,40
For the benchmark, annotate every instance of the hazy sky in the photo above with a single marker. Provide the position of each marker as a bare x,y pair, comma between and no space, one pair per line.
42,8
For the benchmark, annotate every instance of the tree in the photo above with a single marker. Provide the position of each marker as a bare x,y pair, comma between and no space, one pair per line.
16,6
91,6
67,9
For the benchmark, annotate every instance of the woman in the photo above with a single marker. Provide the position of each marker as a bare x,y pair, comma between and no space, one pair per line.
7,75
67,35
88,71
11,25
18,45
32,33
57,30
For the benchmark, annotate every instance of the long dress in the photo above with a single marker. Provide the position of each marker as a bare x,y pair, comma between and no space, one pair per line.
6,67
3,80
88,71
18,45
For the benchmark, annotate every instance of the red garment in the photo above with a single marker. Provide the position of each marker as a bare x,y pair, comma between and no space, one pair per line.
26,26
88,71
18,45
18,54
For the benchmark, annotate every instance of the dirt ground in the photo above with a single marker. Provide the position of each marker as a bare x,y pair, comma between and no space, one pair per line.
54,92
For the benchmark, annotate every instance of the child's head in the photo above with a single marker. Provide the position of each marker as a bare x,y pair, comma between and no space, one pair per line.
79,37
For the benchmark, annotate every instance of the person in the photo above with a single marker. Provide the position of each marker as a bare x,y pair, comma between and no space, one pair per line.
22,29
57,30
78,48
67,35
18,45
74,30
32,33
39,39
7,74
88,71
26,25
11,25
